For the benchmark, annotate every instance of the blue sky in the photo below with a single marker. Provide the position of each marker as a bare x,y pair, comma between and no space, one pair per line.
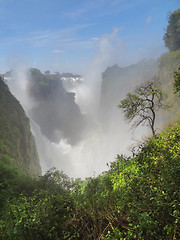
67,35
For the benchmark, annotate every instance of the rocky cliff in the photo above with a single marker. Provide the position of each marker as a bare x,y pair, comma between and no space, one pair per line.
16,140
55,110
118,81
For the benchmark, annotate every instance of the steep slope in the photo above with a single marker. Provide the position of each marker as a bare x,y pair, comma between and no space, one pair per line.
168,64
16,140
117,81
138,198
55,110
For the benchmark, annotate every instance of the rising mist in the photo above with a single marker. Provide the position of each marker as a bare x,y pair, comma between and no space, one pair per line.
82,145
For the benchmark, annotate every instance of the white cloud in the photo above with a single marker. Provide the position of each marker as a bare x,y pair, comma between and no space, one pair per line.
116,30
58,51
95,38
86,8
148,20
63,37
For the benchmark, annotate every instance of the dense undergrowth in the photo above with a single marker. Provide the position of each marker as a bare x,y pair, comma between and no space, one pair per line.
138,198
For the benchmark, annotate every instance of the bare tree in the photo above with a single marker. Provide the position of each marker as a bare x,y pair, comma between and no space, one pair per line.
140,107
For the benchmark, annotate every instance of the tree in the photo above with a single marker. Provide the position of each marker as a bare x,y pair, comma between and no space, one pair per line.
177,81
172,35
143,103
47,72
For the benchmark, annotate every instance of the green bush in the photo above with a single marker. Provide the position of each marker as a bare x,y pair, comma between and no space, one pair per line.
138,198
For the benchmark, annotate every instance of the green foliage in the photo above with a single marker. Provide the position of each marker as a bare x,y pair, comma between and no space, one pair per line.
177,81
168,64
172,35
115,79
143,103
148,188
16,139
40,216
33,209
131,105
138,198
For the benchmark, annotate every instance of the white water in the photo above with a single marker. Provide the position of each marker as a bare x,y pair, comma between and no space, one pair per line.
89,156
99,145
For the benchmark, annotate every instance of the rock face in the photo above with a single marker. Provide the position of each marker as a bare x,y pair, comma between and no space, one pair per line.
16,140
55,110
118,81
168,64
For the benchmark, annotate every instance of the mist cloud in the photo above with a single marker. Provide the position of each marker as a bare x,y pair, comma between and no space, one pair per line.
100,143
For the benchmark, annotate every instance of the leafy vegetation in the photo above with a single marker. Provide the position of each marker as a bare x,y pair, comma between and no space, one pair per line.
16,140
177,81
168,64
138,198
143,103
117,82
172,35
